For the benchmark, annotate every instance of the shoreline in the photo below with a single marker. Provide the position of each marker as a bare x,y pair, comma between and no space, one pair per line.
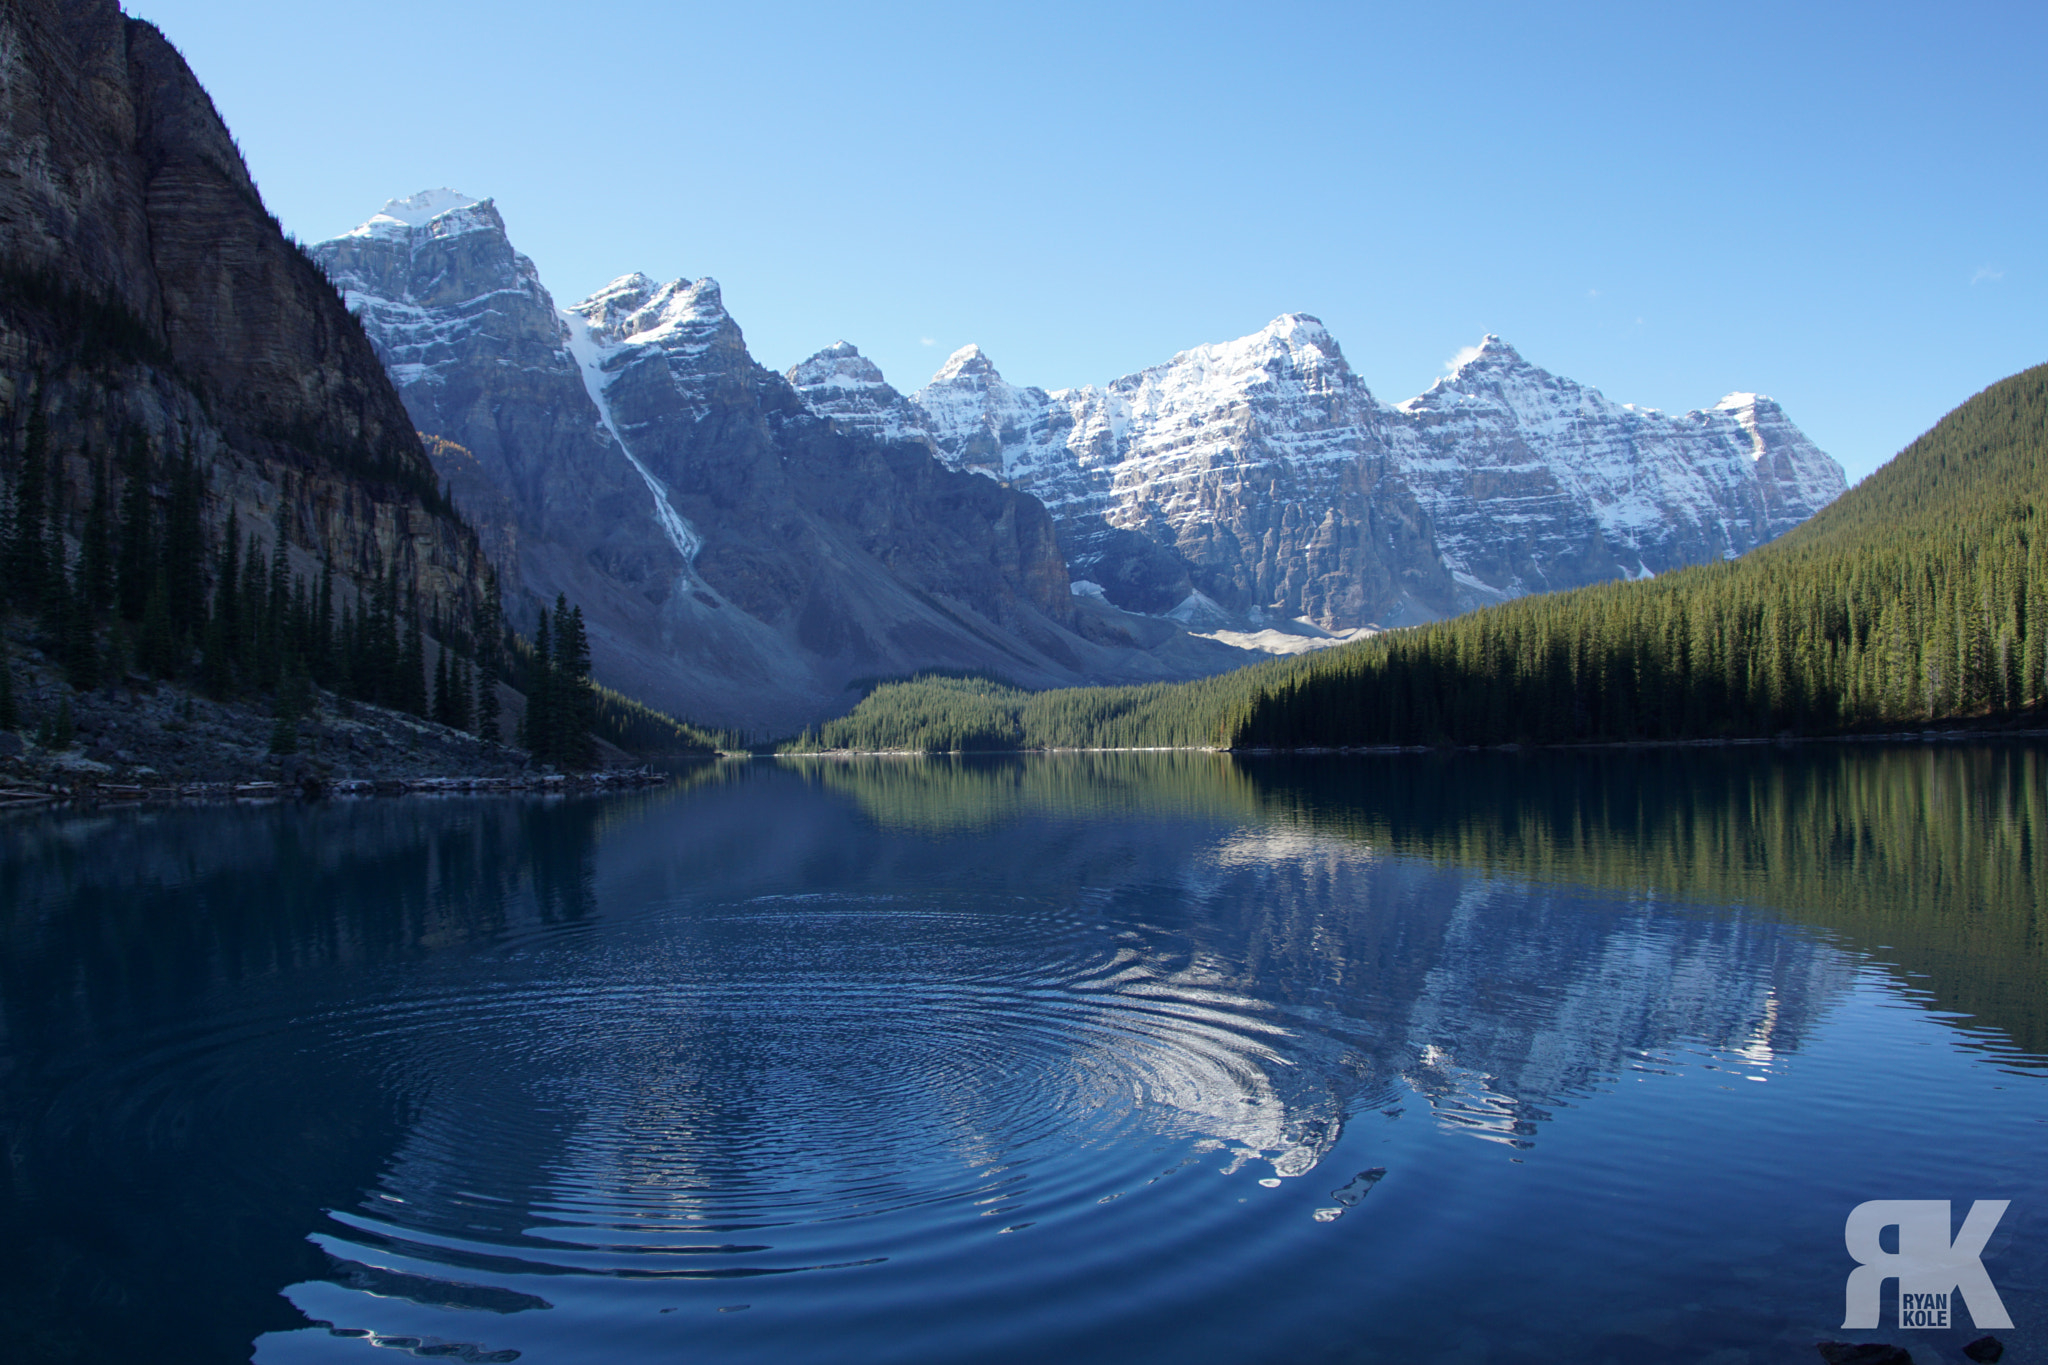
1923,736
311,788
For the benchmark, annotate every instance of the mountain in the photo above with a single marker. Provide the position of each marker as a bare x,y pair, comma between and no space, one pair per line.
739,559
1500,451
1260,480
150,306
1920,596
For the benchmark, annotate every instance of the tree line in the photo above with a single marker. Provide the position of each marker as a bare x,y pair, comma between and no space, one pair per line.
1919,596
149,591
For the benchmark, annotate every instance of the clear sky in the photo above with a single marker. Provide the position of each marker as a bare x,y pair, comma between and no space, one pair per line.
1842,205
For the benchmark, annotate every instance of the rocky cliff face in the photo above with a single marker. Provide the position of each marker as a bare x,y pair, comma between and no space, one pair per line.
740,559
145,289
1534,482
1259,479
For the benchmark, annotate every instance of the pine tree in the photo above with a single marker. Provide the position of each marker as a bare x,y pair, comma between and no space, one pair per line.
26,551
135,559
54,573
443,702
575,712
341,665
383,660
96,546
277,604
223,629
490,629
412,667
298,627
294,699
258,659
487,708
9,718
321,652
79,639
537,726
161,656
461,711
184,550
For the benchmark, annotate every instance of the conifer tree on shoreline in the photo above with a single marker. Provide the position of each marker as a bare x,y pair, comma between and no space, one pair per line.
131,579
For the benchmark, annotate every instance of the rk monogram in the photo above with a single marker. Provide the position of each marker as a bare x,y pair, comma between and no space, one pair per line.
1931,1270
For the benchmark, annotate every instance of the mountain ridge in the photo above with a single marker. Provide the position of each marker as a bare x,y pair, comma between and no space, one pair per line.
740,560
1222,460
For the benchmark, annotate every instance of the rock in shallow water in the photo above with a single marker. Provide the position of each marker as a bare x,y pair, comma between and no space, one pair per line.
1863,1353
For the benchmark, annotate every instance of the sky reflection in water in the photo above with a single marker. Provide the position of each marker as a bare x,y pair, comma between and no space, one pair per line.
1146,1057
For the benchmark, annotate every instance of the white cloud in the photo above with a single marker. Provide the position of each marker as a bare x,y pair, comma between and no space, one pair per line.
1592,293
1465,353
926,341
1987,273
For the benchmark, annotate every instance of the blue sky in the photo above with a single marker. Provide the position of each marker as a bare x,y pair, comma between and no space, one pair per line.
1844,206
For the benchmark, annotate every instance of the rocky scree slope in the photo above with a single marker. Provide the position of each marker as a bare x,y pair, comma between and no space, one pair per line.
145,290
1259,479
739,559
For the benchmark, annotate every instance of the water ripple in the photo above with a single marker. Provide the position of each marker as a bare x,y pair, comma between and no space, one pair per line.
795,1084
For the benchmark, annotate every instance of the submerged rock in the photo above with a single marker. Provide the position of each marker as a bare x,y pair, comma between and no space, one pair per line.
1863,1353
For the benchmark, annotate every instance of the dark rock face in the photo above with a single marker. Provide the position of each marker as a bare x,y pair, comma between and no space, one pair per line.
488,374
144,286
739,559
737,448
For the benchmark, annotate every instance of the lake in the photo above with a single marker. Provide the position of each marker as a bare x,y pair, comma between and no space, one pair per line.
1477,1058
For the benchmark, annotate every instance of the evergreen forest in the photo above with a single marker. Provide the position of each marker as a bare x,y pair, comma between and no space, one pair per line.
133,582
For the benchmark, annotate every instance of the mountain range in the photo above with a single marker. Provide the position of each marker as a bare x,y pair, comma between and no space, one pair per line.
749,546
739,559
1260,479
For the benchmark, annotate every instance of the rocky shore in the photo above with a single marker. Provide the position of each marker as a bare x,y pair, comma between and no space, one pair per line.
139,740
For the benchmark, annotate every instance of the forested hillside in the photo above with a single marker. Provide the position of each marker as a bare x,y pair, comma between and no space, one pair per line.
1920,595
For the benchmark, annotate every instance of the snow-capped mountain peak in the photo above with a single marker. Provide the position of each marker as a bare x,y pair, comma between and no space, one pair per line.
1263,465
1472,367
413,211
1300,333
838,366
608,309
846,388
968,360
1293,349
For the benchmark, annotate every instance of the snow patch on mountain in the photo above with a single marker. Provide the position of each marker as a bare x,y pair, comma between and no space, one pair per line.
846,388
589,356
1237,455
415,210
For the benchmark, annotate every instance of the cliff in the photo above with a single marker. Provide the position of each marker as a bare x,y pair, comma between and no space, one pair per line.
145,292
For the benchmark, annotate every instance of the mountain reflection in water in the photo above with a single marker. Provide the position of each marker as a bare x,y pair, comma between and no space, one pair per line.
943,1059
